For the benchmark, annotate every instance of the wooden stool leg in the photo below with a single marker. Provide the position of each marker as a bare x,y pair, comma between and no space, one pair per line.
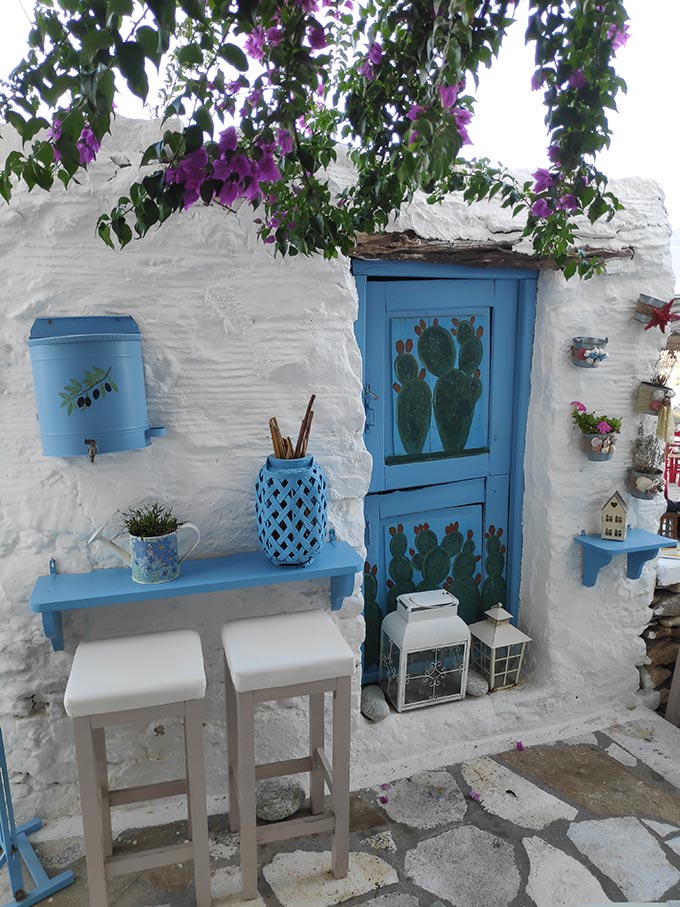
245,709
193,729
316,741
99,743
232,748
90,805
341,753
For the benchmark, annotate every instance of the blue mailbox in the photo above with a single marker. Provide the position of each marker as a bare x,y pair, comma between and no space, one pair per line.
89,385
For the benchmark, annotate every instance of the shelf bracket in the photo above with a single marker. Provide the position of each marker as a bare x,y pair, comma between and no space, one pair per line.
637,560
593,562
341,587
52,626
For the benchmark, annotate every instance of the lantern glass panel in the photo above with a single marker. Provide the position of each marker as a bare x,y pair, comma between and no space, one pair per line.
481,656
389,673
434,673
507,668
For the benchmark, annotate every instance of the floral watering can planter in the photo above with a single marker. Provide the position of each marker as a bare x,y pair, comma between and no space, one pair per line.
291,510
153,560
599,447
645,485
589,352
651,397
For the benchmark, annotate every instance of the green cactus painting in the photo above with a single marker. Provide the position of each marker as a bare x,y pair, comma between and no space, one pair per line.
372,616
493,590
399,568
414,400
464,582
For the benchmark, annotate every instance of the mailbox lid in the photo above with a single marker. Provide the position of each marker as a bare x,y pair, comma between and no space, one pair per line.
83,328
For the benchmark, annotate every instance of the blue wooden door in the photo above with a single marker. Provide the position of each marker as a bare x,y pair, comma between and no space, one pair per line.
446,388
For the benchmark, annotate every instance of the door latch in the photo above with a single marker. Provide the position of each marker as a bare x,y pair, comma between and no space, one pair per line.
368,396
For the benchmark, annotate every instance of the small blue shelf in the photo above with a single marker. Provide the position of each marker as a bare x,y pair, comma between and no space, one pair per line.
53,594
640,546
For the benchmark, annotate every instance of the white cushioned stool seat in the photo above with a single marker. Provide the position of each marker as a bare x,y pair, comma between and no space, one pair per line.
285,649
135,672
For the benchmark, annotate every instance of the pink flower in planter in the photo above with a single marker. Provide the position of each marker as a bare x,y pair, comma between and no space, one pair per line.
579,407
603,427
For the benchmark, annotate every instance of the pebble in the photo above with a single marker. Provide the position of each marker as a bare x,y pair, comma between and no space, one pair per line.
476,684
278,798
373,703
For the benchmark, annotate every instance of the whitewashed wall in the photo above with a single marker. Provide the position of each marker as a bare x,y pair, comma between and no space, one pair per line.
232,336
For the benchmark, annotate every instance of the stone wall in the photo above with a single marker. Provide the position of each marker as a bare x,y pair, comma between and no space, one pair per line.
231,336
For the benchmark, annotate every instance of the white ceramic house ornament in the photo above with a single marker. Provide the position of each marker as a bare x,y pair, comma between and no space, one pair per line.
424,651
498,648
614,519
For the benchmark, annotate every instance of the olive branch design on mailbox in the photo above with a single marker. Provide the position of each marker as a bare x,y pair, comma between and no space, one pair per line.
95,385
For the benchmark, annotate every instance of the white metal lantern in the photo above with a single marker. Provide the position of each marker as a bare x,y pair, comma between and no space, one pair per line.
498,648
424,651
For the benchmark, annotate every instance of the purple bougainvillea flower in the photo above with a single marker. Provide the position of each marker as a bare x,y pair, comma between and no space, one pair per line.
267,171
568,202
416,111
385,786
448,95
383,799
544,180
229,192
462,116
473,795
577,79
234,86
285,141
316,37
366,70
88,145
413,138
578,406
554,154
308,6
375,53
228,140
604,427
54,132
541,208
274,35
618,36
519,745
253,43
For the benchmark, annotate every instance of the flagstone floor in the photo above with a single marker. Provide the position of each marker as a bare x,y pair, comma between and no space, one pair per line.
588,820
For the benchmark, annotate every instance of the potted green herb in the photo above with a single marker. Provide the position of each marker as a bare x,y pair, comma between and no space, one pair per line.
599,432
645,475
153,542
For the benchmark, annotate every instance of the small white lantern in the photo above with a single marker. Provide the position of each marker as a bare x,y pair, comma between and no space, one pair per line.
424,651
498,648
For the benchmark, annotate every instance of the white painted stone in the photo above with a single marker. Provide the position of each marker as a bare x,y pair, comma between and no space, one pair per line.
661,828
653,741
466,866
382,841
674,844
232,335
581,740
511,797
628,854
558,880
304,878
226,889
393,899
425,800
623,756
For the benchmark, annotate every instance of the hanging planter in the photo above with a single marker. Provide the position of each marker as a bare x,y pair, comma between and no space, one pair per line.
589,352
651,397
653,312
599,433
645,475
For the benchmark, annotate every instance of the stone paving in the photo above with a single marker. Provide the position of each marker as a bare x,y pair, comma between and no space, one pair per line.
589,820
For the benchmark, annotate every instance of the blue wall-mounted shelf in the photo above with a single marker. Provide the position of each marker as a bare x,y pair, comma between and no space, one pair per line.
55,593
639,546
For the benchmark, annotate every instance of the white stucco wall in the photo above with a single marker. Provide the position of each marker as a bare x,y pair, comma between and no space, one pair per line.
232,336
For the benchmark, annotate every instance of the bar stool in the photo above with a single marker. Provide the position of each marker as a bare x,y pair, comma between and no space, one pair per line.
127,680
299,654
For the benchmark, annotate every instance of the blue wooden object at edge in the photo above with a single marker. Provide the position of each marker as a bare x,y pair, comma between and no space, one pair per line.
639,545
16,847
55,593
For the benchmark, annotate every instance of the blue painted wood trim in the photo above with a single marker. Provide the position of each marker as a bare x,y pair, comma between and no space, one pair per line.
526,316
639,545
386,268
70,591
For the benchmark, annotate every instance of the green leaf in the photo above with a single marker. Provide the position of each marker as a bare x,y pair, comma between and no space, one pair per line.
203,119
104,232
193,138
5,187
195,9
189,55
164,11
149,38
131,59
124,234
235,56
94,41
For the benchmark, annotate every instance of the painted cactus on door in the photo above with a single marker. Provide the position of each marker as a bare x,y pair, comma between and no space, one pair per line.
435,398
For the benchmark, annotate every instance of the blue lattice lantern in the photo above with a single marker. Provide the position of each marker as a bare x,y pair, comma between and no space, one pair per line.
291,510
424,651
89,385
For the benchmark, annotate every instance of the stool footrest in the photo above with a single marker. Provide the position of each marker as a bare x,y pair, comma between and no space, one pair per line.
283,767
295,828
148,792
123,863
